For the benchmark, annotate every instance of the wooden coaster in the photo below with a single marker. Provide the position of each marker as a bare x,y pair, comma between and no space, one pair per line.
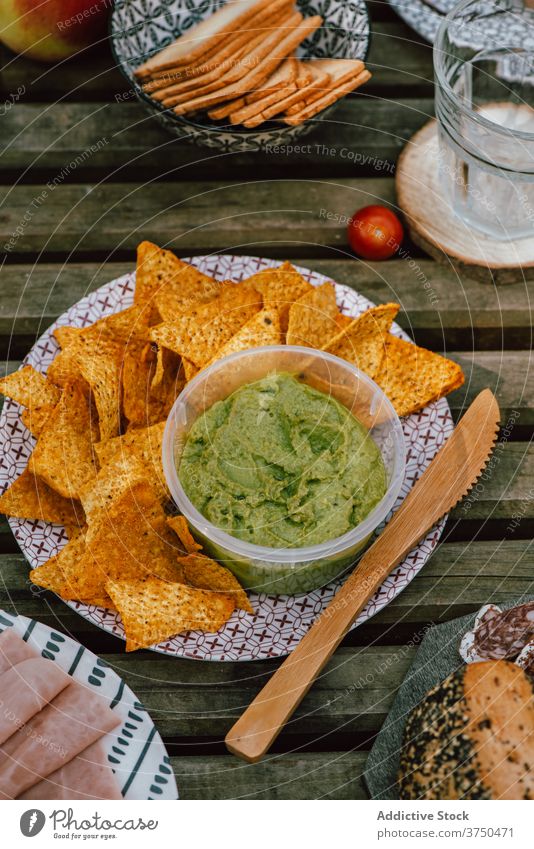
433,225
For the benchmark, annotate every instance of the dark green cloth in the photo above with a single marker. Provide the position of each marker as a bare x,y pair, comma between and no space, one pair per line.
437,658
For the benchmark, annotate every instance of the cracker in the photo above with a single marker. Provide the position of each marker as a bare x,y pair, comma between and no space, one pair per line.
197,40
327,99
241,116
225,109
286,74
154,610
363,341
31,498
336,71
255,77
413,377
316,82
312,319
255,46
63,456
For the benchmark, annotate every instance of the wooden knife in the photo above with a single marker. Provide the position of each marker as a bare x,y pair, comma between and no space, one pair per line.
447,479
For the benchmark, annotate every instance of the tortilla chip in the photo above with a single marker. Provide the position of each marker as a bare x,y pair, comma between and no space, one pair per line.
167,284
140,447
64,367
65,334
102,373
312,319
31,498
57,573
130,540
142,407
343,321
63,456
181,529
262,329
206,574
168,379
144,443
412,377
35,418
153,610
189,369
112,481
363,341
280,287
29,388
198,334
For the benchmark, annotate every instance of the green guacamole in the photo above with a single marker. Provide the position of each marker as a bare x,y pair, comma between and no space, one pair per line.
280,464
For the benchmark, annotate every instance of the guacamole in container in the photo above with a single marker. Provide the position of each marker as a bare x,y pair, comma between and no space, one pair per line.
283,460
281,464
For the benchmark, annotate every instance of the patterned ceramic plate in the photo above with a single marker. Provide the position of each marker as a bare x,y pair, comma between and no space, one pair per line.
135,750
280,621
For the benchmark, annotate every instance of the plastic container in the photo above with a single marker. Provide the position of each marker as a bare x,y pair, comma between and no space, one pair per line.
286,570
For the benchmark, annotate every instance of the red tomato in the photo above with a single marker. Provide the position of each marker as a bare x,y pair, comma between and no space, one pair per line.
375,232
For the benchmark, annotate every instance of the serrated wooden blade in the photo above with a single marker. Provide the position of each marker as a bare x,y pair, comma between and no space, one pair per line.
449,477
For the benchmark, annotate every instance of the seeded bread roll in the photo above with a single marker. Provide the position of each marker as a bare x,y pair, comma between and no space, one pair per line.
472,737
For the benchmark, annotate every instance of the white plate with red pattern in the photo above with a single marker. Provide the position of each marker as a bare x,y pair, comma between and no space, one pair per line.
280,622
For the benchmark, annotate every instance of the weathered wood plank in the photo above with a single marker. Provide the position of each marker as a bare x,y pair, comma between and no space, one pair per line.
189,217
336,775
353,695
458,579
72,140
437,306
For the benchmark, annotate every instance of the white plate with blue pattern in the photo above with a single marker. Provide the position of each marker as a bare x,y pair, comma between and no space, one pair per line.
135,750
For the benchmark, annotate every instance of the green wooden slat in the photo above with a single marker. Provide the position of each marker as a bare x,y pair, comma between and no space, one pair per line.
363,133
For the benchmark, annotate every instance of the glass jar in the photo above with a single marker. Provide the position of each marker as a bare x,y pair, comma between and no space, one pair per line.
484,74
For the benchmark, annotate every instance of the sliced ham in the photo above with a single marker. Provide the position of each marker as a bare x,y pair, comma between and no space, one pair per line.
13,650
87,776
76,718
25,689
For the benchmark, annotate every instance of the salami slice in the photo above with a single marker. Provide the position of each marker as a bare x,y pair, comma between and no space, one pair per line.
499,634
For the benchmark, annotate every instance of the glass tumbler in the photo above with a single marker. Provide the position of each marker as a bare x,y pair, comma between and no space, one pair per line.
484,74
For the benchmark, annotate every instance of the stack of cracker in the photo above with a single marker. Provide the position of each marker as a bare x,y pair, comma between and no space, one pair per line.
238,65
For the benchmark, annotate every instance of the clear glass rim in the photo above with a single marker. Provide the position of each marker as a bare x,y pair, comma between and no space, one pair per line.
438,53
283,556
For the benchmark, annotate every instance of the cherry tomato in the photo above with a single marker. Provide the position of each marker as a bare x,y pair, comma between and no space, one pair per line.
375,232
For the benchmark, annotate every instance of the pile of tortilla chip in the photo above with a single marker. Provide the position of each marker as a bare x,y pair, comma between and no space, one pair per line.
99,414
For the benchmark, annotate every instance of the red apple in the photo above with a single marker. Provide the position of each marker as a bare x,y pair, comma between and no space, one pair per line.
50,30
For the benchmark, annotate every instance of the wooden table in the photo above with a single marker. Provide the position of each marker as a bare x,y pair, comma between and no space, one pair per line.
116,179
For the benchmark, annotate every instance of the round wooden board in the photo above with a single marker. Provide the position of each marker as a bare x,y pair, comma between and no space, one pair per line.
433,225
